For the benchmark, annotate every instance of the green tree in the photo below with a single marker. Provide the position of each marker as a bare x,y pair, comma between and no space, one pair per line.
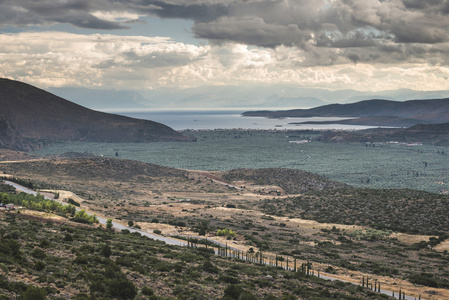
83,217
109,223
106,251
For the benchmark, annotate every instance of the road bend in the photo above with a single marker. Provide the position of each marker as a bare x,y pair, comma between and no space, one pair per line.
176,242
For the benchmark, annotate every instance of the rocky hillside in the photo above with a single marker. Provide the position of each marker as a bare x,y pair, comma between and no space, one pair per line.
37,114
11,139
291,181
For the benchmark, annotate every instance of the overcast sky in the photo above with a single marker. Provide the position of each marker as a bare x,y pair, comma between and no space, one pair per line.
368,45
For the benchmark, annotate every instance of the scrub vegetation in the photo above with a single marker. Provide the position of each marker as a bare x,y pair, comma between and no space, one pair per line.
55,259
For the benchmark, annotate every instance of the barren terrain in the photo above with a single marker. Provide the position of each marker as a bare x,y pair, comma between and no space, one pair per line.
183,203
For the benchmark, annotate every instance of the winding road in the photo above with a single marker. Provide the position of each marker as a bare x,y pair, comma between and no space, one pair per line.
173,241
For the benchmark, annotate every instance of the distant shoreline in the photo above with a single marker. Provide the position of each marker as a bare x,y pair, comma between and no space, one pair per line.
232,120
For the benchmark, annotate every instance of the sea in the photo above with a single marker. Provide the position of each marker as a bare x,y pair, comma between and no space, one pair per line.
232,119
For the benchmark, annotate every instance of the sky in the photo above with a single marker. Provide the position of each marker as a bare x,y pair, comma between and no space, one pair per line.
146,45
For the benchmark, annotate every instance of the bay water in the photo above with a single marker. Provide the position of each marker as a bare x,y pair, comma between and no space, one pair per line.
232,119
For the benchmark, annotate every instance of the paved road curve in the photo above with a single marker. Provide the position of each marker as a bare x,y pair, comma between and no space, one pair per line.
167,240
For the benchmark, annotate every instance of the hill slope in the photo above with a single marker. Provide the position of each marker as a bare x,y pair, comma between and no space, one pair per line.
410,112
291,181
40,115
435,134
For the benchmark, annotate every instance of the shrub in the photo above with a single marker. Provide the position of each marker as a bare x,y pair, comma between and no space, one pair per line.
226,232
81,296
229,279
209,267
122,289
38,253
83,217
39,266
109,223
147,291
428,279
247,296
68,237
106,251
233,291
81,260
157,231
34,293
44,244
73,202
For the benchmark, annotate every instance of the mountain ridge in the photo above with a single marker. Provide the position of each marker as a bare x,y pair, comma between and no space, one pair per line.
376,112
39,115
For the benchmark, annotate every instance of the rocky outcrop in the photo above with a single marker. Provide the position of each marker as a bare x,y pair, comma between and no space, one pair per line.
11,139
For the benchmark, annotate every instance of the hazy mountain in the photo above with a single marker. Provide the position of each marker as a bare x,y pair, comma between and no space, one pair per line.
37,114
268,96
246,97
103,99
373,112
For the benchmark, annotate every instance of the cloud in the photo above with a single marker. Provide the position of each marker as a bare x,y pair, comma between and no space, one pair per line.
341,29
57,59
256,32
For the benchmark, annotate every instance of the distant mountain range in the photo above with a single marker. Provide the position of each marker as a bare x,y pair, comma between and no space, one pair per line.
29,114
239,96
373,112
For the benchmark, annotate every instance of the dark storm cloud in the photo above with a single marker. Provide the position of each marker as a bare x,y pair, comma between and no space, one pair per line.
200,12
420,4
256,32
354,26
77,13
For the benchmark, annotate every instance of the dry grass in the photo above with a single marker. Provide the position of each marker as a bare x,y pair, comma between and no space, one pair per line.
195,196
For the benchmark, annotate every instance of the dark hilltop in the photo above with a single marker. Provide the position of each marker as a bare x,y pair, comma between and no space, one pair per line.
29,116
372,112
